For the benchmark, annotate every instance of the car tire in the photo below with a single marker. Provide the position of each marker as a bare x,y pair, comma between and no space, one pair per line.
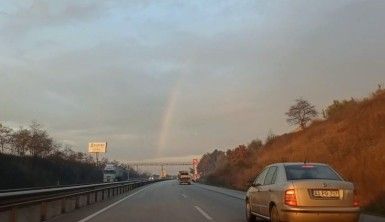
249,216
274,216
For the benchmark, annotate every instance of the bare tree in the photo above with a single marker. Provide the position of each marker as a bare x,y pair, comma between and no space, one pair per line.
301,113
40,144
20,141
255,145
211,161
5,137
69,153
270,136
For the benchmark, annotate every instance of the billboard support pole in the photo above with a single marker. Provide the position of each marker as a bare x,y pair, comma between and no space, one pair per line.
97,159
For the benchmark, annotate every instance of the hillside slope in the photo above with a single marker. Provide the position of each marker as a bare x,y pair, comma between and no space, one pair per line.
351,139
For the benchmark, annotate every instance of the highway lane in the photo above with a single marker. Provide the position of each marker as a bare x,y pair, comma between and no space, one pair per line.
169,201
164,201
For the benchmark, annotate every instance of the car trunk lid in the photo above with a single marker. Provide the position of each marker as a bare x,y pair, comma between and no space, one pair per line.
324,193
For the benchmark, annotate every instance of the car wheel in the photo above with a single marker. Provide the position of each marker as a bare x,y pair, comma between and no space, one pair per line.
274,216
249,216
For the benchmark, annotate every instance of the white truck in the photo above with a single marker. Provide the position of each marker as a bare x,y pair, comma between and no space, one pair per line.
113,173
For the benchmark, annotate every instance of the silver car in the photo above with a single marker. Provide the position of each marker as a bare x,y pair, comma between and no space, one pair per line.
301,192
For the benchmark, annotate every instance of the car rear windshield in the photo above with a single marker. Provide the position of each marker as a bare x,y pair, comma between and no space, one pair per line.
304,172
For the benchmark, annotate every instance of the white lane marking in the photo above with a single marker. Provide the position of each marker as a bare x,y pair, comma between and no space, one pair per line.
184,195
203,213
112,205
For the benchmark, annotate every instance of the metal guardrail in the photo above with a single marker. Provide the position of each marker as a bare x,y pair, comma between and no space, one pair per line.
59,199
51,186
58,186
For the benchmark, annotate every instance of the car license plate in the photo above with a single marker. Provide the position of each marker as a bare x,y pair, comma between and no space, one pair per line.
326,193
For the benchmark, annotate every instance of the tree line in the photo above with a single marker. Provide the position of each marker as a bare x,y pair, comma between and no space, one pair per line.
35,141
29,157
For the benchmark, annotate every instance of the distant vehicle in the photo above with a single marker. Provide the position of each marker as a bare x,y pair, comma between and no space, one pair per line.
184,177
151,178
301,192
113,173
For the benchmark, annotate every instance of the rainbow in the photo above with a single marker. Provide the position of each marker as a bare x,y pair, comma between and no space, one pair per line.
167,116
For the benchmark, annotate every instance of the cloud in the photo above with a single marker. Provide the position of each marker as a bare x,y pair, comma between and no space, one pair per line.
104,71
42,12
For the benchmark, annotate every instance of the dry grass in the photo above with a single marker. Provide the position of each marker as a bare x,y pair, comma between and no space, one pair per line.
352,141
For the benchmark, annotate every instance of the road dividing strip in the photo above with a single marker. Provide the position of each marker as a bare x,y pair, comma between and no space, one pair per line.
110,206
203,213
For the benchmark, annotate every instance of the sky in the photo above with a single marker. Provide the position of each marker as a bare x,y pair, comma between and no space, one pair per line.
172,80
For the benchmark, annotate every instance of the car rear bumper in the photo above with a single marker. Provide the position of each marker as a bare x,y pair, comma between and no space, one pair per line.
320,215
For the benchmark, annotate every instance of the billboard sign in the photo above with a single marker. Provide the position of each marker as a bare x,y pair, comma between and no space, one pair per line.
100,147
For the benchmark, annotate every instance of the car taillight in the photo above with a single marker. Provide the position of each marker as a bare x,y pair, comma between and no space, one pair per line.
356,201
290,198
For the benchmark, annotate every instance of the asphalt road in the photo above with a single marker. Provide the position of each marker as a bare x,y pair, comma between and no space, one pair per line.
164,201
168,201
